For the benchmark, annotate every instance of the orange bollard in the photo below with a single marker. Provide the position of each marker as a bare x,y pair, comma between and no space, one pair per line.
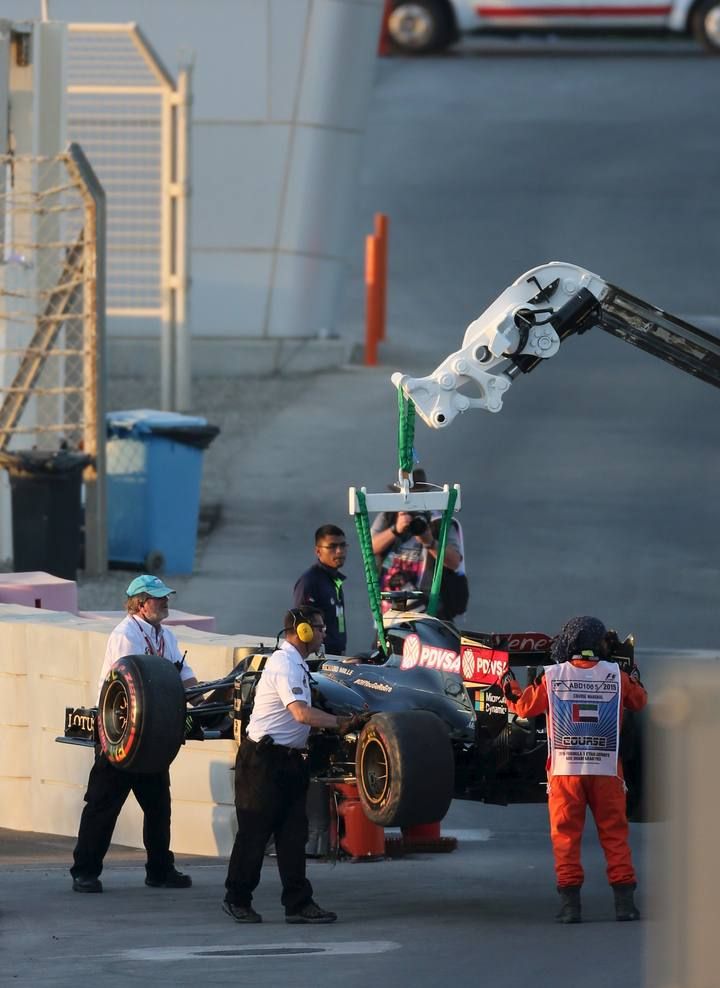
425,838
358,836
422,831
384,43
382,225
372,300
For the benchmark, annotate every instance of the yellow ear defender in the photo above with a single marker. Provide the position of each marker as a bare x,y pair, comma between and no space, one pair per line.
303,630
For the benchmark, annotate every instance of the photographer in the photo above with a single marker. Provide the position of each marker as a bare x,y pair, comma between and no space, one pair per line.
405,546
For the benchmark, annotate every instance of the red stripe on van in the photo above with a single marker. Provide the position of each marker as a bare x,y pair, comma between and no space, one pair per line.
507,12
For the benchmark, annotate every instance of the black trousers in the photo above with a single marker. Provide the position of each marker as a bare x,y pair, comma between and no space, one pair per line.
107,790
270,792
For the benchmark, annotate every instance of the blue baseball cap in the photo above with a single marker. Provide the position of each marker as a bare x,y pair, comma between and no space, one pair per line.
151,585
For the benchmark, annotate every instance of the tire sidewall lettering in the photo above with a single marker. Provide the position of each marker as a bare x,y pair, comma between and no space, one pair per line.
119,752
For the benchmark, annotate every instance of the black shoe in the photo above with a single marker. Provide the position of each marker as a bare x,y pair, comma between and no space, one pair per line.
570,907
625,908
311,913
87,885
174,879
241,914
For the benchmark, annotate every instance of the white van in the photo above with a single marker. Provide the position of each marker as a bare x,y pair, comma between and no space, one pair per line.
423,26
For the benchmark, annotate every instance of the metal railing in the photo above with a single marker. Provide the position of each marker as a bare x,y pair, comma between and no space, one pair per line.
52,233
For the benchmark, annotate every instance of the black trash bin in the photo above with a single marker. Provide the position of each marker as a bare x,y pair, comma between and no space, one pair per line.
45,488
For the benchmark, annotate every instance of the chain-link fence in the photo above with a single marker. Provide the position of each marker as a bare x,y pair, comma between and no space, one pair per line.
51,319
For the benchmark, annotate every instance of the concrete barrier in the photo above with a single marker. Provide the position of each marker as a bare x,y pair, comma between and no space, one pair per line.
50,660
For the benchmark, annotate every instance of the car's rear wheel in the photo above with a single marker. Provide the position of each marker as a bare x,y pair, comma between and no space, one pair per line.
141,714
405,769
705,25
422,26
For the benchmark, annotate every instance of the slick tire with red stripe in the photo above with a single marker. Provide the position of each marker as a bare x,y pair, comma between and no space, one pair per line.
141,714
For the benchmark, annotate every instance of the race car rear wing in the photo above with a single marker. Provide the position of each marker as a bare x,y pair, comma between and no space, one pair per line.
527,324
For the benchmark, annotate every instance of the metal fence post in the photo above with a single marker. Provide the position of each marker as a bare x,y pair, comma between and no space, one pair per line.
181,239
94,476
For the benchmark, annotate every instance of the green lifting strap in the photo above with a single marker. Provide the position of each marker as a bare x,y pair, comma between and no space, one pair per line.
406,433
362,524
442,542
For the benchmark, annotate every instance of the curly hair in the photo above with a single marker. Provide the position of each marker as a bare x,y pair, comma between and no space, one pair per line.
579,634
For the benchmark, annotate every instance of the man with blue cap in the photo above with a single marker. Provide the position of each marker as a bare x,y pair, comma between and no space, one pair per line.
140,633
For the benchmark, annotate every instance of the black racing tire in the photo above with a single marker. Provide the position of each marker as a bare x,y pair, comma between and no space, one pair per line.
421,27
631,753
405,769
705,25
141,714
641,746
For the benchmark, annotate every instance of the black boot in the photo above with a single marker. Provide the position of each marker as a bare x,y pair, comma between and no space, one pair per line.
625,908
569,904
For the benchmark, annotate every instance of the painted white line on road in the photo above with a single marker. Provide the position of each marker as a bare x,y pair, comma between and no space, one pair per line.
480,834
476,834
295,949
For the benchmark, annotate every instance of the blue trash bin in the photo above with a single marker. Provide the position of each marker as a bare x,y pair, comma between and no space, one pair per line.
154,470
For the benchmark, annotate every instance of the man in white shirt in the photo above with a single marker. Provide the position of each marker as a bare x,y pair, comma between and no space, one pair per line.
140,633
271,776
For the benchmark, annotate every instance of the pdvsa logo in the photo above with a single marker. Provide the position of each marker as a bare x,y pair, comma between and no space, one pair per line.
468,663
483,665
428,656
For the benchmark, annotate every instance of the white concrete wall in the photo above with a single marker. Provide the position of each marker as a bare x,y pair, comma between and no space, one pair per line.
281,93
49,661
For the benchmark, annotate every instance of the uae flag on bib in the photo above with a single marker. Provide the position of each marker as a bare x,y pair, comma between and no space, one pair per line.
585,713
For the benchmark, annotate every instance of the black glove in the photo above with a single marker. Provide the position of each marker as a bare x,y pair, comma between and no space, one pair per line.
634,674
539,678
353,723
509,686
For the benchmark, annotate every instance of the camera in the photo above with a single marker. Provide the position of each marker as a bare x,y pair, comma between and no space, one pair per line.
419,524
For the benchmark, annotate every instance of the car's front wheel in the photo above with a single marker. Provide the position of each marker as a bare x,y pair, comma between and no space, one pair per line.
421,27
705,25
141,714
405,768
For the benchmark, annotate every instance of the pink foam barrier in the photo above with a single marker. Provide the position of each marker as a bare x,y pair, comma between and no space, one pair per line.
37,589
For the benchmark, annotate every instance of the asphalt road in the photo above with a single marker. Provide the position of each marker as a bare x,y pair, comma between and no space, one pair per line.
481,914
